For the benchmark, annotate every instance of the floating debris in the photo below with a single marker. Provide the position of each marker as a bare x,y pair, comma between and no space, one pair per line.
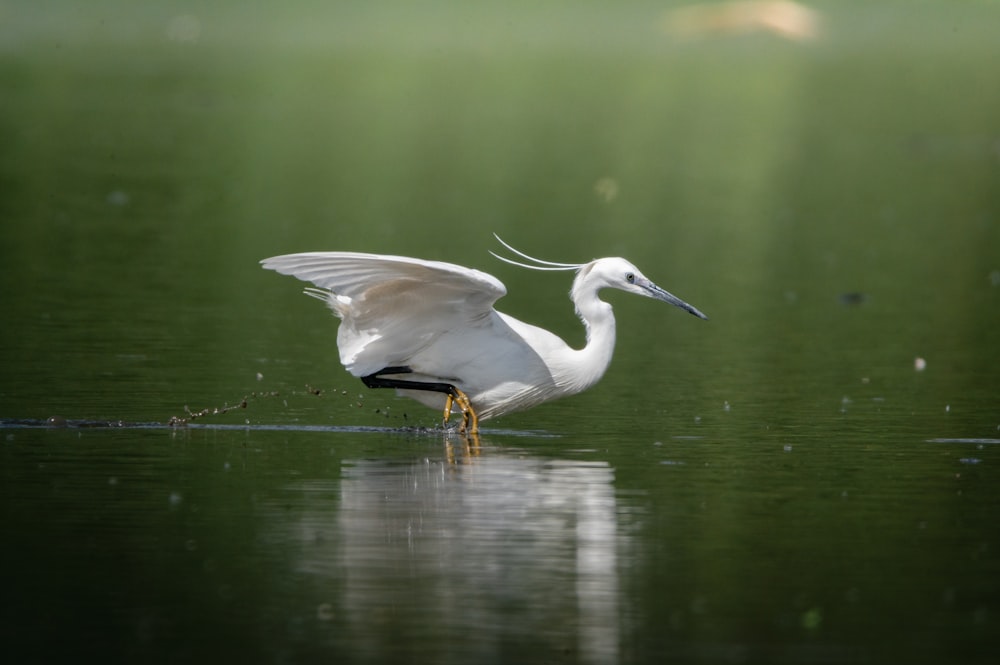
919,364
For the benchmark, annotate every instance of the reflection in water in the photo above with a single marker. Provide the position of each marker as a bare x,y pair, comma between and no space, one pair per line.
498,558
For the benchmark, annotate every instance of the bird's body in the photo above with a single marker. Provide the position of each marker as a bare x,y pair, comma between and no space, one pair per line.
425,326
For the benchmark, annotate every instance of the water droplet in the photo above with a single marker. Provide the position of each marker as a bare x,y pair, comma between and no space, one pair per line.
812,619
117,198
324,612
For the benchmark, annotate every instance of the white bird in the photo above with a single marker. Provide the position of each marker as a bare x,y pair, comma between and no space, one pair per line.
429,329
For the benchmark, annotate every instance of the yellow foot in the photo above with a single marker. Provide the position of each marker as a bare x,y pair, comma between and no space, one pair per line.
447,408
470,421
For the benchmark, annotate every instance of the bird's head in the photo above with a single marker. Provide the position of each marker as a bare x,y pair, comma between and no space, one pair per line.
617,273
613,273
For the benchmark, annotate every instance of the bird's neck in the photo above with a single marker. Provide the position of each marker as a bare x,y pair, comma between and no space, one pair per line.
593,359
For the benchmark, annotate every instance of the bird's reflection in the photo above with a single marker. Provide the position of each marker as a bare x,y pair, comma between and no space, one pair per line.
505,552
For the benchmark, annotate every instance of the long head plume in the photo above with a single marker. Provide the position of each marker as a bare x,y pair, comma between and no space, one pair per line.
538,263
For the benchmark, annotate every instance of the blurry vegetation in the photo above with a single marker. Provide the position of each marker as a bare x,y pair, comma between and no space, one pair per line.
758,158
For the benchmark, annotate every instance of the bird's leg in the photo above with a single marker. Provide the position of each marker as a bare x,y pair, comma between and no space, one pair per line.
449,400
470,421
453,396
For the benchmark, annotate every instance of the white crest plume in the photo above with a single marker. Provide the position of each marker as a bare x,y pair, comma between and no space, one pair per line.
541,265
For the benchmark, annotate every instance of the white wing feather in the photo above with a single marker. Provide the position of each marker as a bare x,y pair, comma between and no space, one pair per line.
392,306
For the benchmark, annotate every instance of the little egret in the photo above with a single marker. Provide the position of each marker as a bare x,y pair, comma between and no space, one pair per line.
429,329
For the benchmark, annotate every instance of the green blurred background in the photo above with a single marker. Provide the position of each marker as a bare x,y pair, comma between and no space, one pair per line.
153,152
822,179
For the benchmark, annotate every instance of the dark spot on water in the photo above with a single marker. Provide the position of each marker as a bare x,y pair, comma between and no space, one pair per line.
853,298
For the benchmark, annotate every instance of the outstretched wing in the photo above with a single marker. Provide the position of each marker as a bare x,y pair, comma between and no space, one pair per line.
392,306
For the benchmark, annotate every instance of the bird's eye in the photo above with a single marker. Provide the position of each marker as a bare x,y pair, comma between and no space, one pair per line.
630,278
